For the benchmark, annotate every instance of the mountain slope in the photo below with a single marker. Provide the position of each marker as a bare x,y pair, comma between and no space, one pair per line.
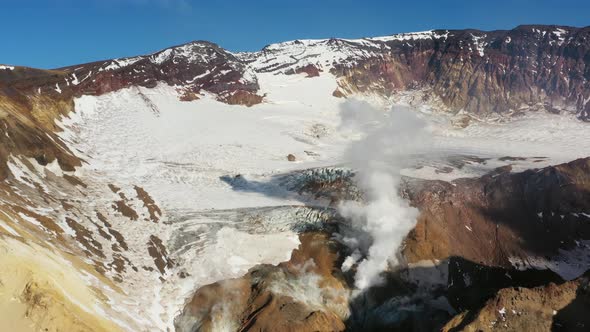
478,73
529,67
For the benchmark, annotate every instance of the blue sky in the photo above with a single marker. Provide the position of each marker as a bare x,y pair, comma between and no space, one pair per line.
54,33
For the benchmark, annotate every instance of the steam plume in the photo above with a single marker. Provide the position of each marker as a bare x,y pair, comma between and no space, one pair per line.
389,140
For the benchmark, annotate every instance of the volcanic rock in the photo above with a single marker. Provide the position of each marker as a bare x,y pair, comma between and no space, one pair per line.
304,294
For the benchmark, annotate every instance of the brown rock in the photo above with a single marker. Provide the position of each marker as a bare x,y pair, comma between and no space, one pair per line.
548,308
149,203
122,207
158,252
504,71
461,121
189,96
252,303
338,93
241,97
498,216
310,70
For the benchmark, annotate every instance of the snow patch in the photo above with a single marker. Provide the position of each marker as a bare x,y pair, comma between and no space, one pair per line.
480,44
430,34
161,57
569,264
121,63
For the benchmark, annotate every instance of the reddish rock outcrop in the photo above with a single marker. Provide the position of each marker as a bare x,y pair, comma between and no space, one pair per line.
310,70
256,301
502,216
483,72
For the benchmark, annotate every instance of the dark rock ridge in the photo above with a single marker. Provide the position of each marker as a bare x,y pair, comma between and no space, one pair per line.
193,67
554,307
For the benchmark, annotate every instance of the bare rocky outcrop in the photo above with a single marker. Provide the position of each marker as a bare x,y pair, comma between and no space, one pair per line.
149,203
547,308
310,70
502,218
304,294
159,254
28,128
196,66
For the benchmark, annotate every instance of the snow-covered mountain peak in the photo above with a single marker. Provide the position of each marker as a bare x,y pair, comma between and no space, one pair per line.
289,56
429,34
196,52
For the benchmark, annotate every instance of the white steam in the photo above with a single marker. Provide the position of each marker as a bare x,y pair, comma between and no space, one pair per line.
380,223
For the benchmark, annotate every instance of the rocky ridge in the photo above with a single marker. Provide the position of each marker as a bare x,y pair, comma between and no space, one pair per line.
477,73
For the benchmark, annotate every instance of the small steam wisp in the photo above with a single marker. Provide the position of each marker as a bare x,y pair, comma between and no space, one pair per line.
379,225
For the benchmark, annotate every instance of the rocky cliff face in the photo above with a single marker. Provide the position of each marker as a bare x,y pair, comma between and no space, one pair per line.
482,73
